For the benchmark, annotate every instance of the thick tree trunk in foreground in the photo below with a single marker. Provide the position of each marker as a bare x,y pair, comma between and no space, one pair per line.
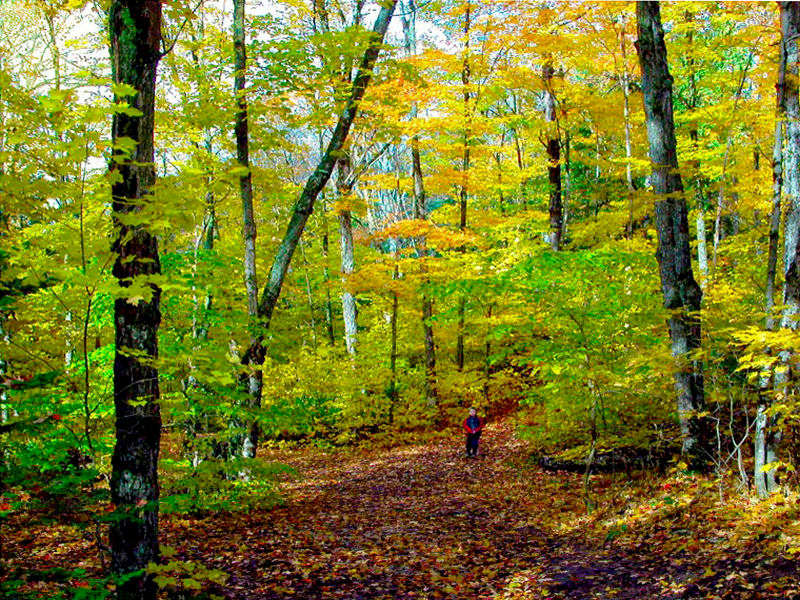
410,33
554,157
247,444
135,37
682,295
305,204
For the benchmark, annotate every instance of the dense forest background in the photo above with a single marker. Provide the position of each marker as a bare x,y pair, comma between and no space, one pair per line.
323,271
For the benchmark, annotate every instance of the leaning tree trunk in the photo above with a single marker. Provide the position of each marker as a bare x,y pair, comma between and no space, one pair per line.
135,38
317,181
464,194
246,445
554,159
682,295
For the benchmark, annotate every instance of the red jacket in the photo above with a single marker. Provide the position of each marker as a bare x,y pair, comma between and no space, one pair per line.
468,429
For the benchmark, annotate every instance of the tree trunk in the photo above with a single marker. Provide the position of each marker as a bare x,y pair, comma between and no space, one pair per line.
554,156
317,181
719,234
309,297
596,171
777,190
349,310
700,220
702,236
764,485
682,295
409,31
393,392
790,31
487,355
210,233
247,445
326,278
624,83
567,185
135,38
464,194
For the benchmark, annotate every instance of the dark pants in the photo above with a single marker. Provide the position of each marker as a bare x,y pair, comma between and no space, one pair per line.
472,443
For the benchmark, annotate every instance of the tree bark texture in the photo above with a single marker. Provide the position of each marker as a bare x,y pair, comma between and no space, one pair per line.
247,444
464,194
682,294
326,278
765,484
344,188
135,38
789,177
624,83
554,160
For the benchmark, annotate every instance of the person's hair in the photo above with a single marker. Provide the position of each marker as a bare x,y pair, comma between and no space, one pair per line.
473,408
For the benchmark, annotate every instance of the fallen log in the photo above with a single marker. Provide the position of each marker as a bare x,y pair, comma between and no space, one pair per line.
612,460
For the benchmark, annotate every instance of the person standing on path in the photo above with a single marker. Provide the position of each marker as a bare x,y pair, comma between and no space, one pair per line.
473,425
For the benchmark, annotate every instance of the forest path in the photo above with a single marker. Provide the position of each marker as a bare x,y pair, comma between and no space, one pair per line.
421,521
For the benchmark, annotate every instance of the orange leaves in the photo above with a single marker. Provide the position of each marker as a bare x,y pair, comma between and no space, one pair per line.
437,237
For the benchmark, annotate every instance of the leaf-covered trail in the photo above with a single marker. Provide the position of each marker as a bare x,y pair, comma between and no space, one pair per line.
424,522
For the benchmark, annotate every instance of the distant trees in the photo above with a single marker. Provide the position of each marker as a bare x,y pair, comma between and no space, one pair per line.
420,210
316,182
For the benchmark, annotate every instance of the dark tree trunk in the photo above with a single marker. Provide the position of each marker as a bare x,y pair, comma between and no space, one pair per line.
554,161
682,295
135,38
393,391
326,278
464,195
246,445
